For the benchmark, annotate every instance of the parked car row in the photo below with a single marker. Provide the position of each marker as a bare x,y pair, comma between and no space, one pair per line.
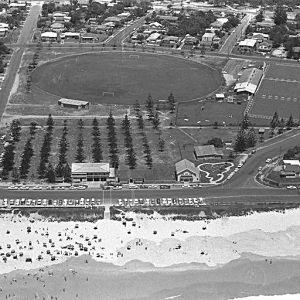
49,202
46,187
161,202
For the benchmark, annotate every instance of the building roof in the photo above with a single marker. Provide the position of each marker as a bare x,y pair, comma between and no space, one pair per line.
155,24
292,162
90,168
186,165
171,38
249,80
167,18
72,102
207,150
257,35
49,34
248,43
153,36
57,25
292,169
112,19
208,35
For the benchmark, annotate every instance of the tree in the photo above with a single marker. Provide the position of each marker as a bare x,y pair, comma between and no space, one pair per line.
80,124
171,102
50,174
280,15
15,175
26,158
290,122
150,107
281,126
251,138
80,150
32,129
156,121
245,122
217,142
140,121
260,16
125,123
50,123
240,142
275,121
137,108
161,144
97,150
67,174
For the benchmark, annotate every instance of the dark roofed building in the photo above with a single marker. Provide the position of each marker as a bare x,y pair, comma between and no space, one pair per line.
249,81
207,151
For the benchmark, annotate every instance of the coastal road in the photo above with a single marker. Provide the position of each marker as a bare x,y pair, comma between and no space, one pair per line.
217,194
24,38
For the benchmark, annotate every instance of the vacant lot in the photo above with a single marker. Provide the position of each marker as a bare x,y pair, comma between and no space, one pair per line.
123,78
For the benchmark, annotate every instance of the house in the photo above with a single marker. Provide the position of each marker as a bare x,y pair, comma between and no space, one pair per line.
70,103
207,152
190,40
266,24
49,36
171,19
57,27
89,38
113,19
260,37
186,171
3,31
4,25
124,15
91,172
208,37
247,45
290,168
169,41
265,46
248,81
70,35
153,38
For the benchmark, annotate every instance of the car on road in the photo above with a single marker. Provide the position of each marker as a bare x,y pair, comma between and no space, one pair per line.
291,187
13,187
259,169
117,187
25,187
268,160
37,187
133,187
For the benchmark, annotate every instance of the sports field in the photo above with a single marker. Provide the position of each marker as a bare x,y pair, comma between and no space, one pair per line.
279,91
123,78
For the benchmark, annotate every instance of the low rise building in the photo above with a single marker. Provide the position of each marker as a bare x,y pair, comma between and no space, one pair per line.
247,45
49,36
91,172
207,152
186,171
153,38
70,103
248,81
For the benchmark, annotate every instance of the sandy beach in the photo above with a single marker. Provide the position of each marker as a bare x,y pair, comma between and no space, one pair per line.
146,244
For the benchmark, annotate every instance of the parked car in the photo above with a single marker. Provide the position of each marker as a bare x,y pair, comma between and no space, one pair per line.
268,160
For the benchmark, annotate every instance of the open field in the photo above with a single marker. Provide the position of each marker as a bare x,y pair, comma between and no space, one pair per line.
279,91
123,78
208,112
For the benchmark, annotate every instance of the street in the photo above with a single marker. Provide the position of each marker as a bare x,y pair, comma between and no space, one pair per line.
24,38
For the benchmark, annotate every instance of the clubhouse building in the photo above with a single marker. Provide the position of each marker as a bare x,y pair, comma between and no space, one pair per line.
186,171
92,172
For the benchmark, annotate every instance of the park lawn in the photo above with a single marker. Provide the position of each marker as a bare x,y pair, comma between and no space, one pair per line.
208,112
129,76
163,162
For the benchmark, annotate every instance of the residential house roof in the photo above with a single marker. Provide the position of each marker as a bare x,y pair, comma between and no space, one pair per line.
90,168
49,34
154,36
186,165
248,43
57,26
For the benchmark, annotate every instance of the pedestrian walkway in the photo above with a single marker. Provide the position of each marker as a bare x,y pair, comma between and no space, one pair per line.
107,212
